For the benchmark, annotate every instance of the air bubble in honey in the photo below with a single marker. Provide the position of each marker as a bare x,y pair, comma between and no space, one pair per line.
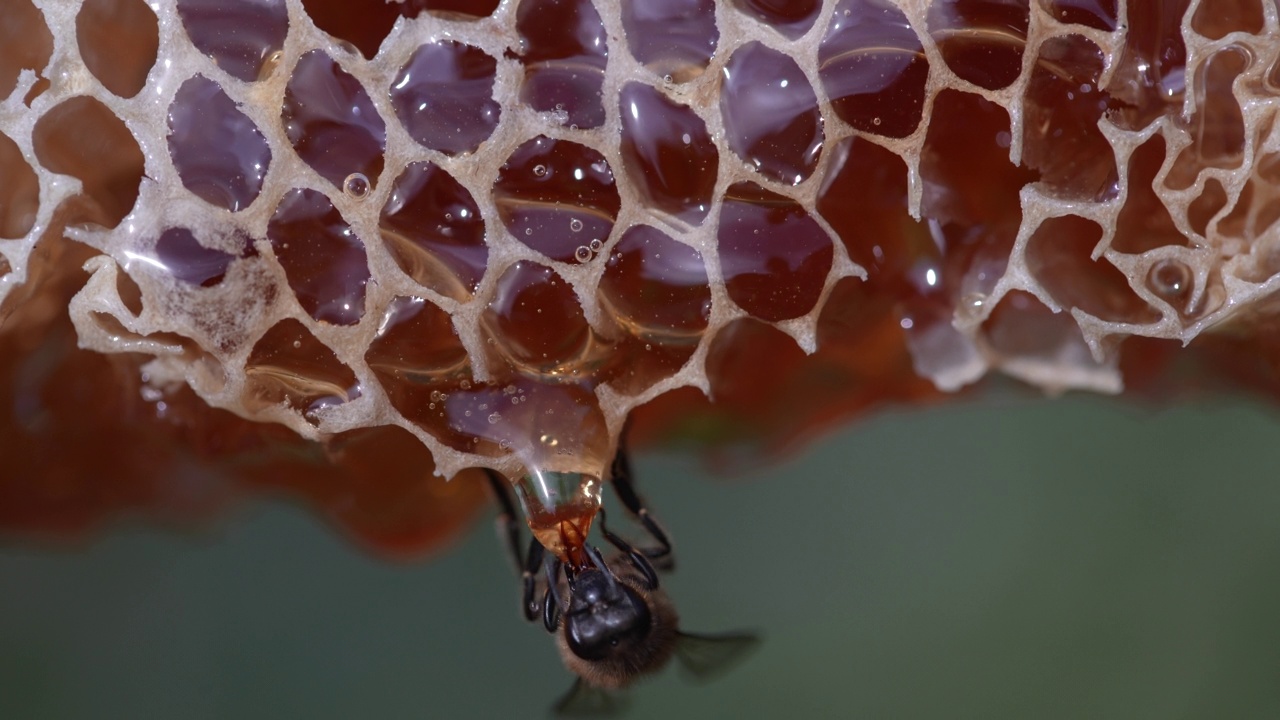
1171,280
356,186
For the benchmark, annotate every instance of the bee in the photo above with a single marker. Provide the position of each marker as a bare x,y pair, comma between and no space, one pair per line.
612,622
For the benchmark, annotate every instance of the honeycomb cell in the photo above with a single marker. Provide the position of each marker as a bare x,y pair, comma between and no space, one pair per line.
791,18
322,258
432,227
1217,127
557,196
184,258
550,427
240,36
1203,208
564,52
1215,19
458,9
129,292
745,388
1150,75
289,366
657,287
365,29
969,139
535,321
954,259
419,360
774,257
667,153
19,191
646,363
218,152
673,38
444,96
1061,139
1059,256
25,43
873,68
331,121
118,42
864,197
1097,14
1240,222
81,137
1144,222
771,114
1022,327
981,40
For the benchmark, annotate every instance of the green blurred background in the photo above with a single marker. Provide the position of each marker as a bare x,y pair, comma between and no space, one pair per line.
1076,558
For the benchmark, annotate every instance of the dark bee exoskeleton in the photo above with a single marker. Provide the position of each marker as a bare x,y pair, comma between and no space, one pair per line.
612,621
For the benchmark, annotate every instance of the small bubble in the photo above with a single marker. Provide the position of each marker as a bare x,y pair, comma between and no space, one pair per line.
466,413
575,225
494,418
686,138
596,245
667,78
971,305
528,231
1170,279
356,186
582,254
540,170
465,384
297,344
875,121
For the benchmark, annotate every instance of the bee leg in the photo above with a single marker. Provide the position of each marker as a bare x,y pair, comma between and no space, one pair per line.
638,559
551,598
508,523
621,479
529,577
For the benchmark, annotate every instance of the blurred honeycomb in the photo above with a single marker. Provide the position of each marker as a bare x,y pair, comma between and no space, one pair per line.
501,227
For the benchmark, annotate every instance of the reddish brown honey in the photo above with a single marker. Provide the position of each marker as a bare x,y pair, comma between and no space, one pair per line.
501,224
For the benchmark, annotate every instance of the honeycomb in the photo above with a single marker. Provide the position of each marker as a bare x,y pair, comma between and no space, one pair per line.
500,227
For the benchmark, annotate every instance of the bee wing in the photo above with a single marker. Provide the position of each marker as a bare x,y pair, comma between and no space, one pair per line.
586,700
703,657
